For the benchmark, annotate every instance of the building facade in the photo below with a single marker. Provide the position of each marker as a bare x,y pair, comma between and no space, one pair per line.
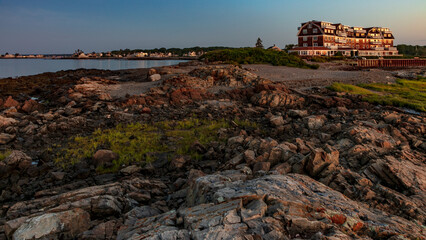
326,39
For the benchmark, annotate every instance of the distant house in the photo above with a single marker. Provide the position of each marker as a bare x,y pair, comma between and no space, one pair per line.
82,55
158,55
191,54
9,56
324,38
140,54
275,48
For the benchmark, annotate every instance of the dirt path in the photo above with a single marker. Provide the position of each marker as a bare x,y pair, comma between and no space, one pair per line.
302,78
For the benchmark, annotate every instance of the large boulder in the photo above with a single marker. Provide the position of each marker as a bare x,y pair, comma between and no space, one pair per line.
6,138
62,225
320,160
104,157
154,77
18,160
315,122
31,106
10,102
5,121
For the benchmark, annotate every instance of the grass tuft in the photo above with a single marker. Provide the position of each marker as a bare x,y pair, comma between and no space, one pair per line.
4,154
341,87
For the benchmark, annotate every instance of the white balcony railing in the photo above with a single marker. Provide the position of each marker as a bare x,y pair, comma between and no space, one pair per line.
360,31
392,48
330,27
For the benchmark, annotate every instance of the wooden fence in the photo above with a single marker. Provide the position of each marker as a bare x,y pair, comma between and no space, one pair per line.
391,63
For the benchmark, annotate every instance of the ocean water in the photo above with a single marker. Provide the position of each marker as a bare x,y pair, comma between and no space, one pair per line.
25,67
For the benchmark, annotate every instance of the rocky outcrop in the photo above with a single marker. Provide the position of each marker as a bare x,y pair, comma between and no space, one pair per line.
286,164
275,206
67,224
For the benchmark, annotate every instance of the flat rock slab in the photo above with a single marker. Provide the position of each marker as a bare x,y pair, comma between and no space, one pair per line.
207,215
302,192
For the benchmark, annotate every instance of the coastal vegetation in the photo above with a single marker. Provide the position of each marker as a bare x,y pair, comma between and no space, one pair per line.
4,154
410,50
256,56
403,93
142,142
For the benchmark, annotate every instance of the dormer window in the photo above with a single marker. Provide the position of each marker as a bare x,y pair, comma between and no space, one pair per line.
305,31
315,30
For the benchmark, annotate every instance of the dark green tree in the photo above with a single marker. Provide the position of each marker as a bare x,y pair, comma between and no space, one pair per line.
259,43
289,47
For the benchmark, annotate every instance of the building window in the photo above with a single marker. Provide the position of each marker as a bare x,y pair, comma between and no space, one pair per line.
310,25
315,44
315,38
305,44
315,30
305,39
305,31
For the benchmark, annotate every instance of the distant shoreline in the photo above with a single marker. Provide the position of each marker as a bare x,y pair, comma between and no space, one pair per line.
109,58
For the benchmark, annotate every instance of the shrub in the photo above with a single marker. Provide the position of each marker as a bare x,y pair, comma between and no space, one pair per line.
256,56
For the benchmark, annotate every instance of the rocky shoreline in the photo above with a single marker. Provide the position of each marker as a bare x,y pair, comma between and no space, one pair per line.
318,164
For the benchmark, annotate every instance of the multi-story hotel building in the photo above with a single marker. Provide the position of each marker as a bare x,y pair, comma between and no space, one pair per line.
324,38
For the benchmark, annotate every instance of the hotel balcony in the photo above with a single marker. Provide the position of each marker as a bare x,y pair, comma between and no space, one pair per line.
360,31
392,48
342,34
376,37
330,27
376,43
341,40
379,48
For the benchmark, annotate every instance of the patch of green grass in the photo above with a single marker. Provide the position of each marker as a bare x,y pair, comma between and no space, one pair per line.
246,123
4,154
141,143
341,87
257,56
404,93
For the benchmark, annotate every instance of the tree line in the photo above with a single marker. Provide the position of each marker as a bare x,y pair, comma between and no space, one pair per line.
174,51
411,50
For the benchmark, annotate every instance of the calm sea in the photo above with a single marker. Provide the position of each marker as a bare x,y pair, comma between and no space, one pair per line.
24,67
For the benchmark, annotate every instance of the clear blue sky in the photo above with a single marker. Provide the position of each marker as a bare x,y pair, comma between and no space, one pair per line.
62,26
